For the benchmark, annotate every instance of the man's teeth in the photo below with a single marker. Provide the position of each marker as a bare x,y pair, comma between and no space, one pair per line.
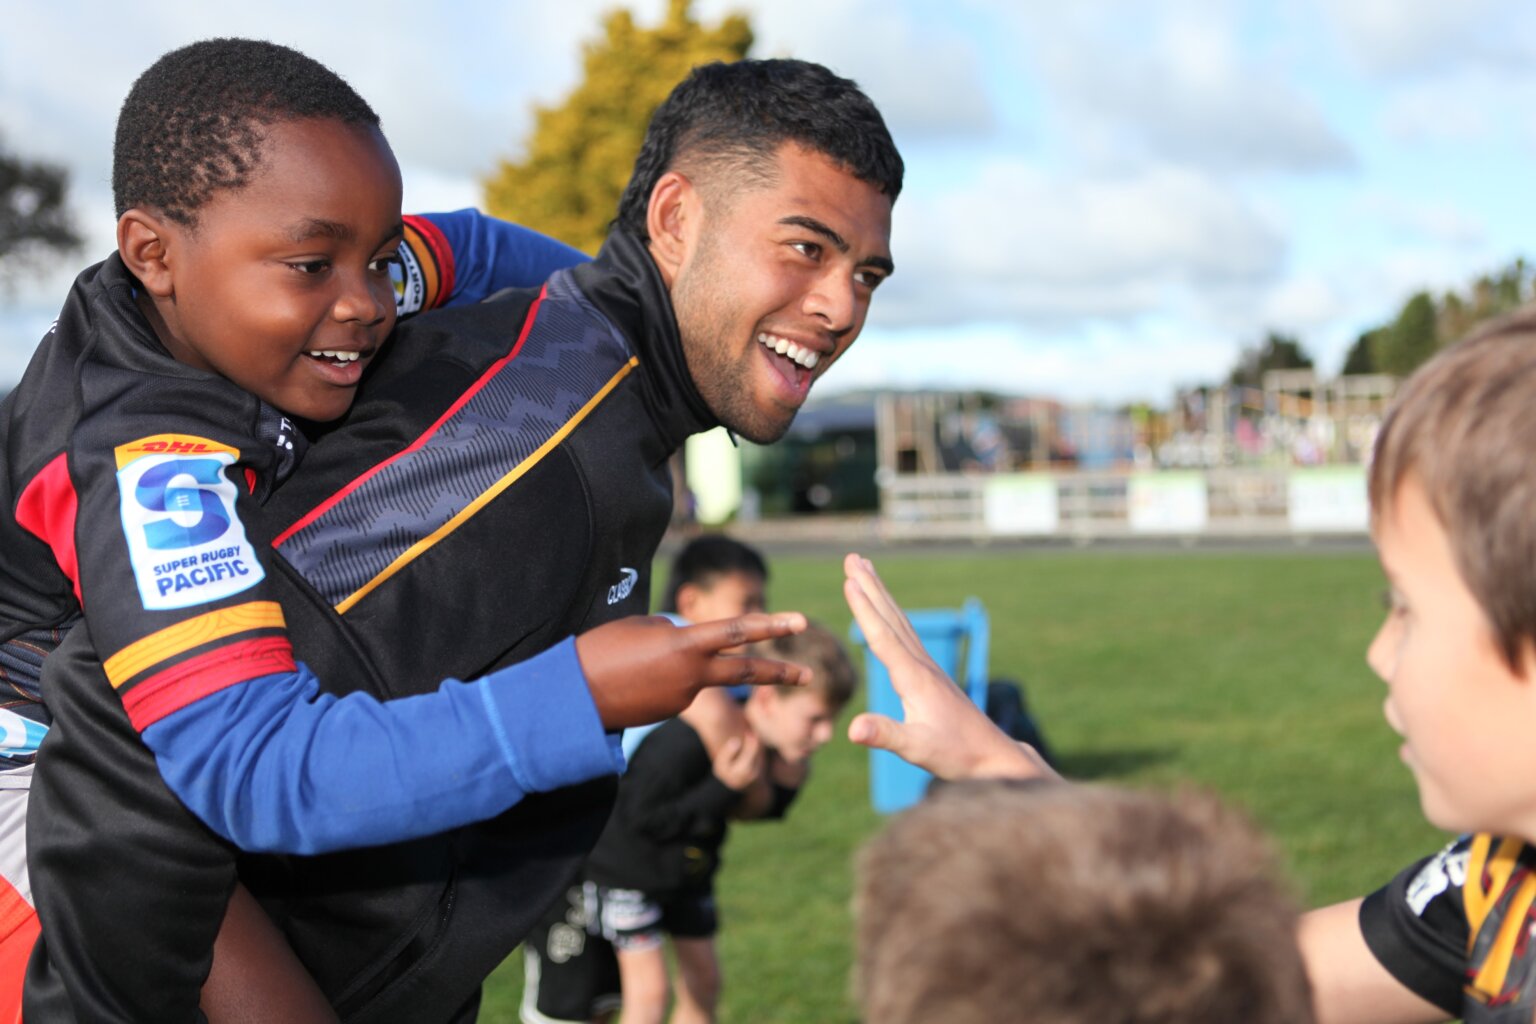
784,347
339,356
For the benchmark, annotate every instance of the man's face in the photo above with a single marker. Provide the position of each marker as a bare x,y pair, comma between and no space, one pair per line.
283,286
776,286
1465,717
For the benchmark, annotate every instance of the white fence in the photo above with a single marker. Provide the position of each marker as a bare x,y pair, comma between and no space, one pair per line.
1224,502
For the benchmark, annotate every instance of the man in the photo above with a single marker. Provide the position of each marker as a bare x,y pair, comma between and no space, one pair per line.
502,477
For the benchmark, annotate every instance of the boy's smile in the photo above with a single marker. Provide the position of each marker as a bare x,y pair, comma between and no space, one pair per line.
283,285
1466,717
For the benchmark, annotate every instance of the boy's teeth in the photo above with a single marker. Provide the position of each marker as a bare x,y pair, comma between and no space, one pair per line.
339,356
784,347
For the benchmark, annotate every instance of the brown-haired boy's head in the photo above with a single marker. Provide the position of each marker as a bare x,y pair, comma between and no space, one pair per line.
797,720
1453,496
1464,427
1068,904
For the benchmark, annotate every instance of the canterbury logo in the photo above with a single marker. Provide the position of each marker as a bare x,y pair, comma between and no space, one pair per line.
622,589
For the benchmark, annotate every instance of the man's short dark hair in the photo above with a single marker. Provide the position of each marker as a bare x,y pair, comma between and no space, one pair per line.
705,559
1071,904
741,113
191,124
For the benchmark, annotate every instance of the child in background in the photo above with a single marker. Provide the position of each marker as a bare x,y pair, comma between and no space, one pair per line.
652,873
1044,903
713,577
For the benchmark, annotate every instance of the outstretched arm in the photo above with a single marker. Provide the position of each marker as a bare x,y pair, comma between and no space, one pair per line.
274,765
943,730
1349,985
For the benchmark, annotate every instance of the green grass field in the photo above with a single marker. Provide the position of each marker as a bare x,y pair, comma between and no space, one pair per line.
1241,673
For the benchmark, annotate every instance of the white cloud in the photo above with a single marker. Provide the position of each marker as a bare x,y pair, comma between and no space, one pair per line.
1173,82
1421,37
923,73
1020,243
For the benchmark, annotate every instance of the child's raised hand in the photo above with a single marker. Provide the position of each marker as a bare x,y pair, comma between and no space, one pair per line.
739,763
943,731
644,669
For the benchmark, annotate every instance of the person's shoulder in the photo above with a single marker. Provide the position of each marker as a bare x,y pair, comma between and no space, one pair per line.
672,741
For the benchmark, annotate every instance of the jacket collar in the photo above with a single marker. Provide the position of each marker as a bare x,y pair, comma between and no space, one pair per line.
625,284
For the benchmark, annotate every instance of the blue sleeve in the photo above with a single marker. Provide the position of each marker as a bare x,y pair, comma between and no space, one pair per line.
273,765
452,259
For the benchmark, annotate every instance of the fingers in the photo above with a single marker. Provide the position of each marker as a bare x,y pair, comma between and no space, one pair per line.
714,637
738,670
877,600
874,730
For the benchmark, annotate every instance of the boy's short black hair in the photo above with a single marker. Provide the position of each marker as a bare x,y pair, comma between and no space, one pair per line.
741,113
705,558
191,124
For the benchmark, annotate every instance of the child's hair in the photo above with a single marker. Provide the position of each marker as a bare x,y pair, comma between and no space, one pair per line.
739,114
1072,904
707,558
191,124
833,677
1464,425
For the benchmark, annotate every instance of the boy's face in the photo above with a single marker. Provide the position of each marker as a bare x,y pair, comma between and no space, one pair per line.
283,286
721,597
1466,719
795,724
794,263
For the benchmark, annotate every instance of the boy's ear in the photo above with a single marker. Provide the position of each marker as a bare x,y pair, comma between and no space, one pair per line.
671,221
687,598
142,242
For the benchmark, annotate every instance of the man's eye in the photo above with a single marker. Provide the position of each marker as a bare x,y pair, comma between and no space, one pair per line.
869,278
811,250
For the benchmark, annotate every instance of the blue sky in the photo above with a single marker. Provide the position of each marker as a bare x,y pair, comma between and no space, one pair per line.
1104,199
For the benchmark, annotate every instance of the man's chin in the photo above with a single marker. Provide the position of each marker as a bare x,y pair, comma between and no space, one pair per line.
759,428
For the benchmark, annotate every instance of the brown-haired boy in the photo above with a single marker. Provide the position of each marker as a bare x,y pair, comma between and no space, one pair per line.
652,872
1453,497
1024,901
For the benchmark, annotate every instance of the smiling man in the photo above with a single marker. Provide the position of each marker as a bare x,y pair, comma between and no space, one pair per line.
499,485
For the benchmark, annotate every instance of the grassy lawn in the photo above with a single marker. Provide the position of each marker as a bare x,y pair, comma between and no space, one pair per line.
1240,673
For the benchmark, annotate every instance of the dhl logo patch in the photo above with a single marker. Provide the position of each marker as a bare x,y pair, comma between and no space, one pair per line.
170,444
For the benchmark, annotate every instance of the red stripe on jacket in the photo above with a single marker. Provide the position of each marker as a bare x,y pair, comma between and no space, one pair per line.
47,510
484,379
189,681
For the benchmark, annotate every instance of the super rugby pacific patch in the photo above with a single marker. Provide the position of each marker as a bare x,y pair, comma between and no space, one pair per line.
185,542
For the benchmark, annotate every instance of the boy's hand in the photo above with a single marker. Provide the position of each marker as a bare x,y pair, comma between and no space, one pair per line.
644,669
740,762
943,731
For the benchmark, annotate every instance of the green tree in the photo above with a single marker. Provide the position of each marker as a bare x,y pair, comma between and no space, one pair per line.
581,152
34,222
1409,340
1359,358
1278,352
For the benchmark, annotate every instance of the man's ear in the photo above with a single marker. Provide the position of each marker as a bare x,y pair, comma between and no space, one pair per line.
671,221
142,242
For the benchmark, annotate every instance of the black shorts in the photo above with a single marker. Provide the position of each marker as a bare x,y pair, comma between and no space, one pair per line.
570,968
570,974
